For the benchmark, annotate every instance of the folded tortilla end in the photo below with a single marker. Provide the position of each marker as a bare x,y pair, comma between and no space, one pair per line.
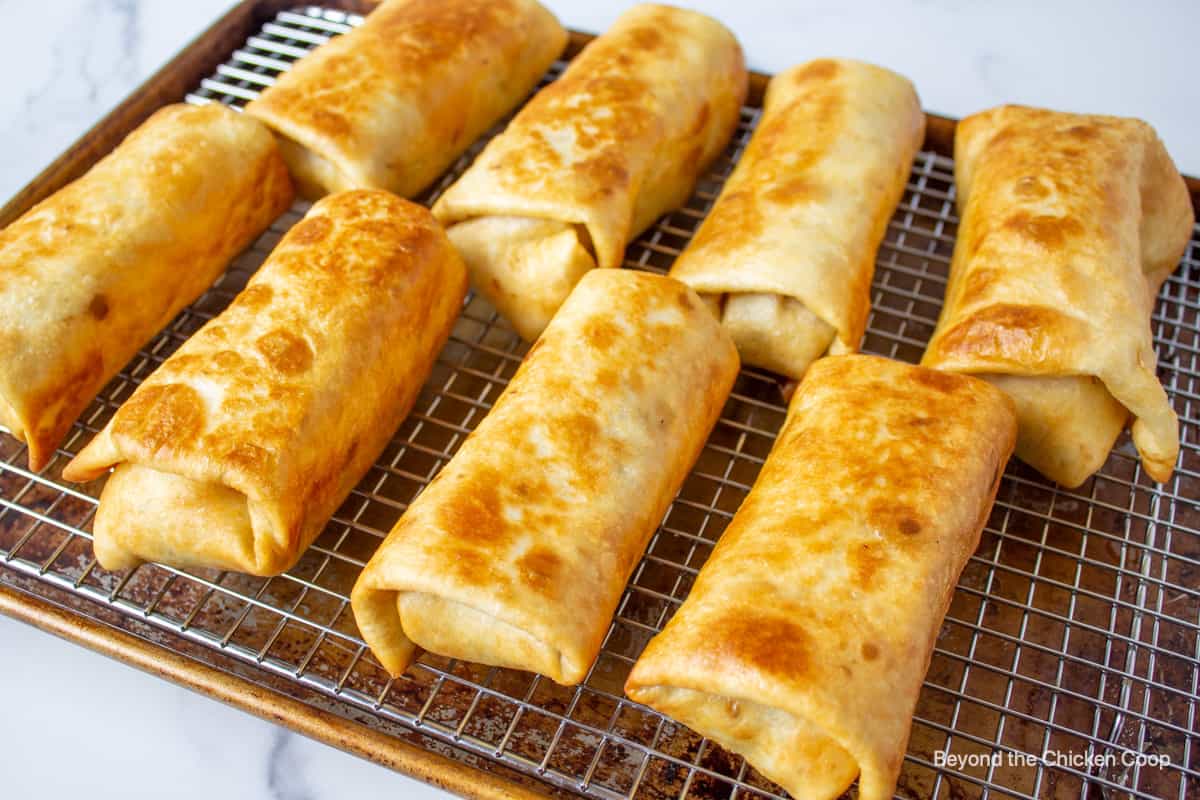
457,630
776,332
524,266
150,515
40,454
789,749
312,175
1069,423
93,460
10,419
1160,471
81,472
111,556
1158,462
40,444
378,620
40,449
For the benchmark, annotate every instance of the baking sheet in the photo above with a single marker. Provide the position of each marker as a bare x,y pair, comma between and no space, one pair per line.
1072,636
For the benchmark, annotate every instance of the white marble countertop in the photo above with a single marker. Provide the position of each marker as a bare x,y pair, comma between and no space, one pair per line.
67,62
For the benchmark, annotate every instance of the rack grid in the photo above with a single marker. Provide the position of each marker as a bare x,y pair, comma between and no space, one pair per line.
1073,631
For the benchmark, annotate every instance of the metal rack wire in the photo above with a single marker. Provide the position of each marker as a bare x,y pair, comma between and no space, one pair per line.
1074,629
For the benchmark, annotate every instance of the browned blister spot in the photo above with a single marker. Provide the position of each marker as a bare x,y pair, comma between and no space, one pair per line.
473,567
815,543
1083,132
255,297
310,231
161,416
777,142
1050,232
579,432
285,352
98,307
541,149
385,229
1030,187
645,39
1005,330
601,333
946,382
772,644
820,70
796,191
870,651
608,378
864,561
607,170
979,282
328,121
540,569
249,457
975,238
228,361
737,218
474,512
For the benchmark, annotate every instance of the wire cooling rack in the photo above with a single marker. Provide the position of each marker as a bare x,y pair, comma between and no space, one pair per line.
1067,664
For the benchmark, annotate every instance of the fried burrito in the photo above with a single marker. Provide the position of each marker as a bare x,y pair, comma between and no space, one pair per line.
517,552
787,253
88,275
1070,224
595,158
235,452
392,103
806,636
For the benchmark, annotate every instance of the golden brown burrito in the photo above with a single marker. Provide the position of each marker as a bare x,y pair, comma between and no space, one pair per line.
92,272
787,253
236,451
517,552
1070,224
805,639
594,158
392,103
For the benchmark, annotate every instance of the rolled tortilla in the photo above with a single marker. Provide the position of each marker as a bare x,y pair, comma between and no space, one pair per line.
517,553
1070,224
788,250
88,275
392,103
595,158
236,451
807,634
